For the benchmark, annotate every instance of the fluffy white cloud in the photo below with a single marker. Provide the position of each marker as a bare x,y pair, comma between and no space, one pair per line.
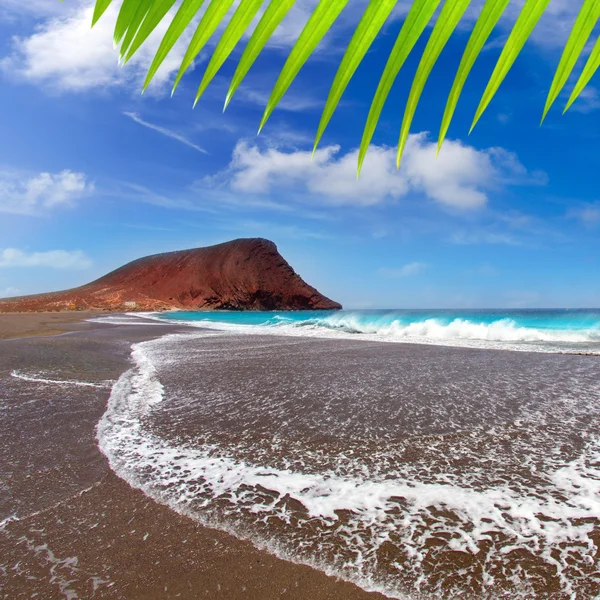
64,54
460,177
23,195
253,170
54,259
407,270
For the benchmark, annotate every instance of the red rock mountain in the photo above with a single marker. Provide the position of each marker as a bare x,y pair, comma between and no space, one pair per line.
245,274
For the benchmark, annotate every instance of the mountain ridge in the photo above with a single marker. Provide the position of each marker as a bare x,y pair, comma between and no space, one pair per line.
243,274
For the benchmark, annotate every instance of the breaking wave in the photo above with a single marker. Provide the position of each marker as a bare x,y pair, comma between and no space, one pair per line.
546,331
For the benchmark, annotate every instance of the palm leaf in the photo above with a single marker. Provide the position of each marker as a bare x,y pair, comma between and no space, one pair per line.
156,14
371,23
417,19
451,14
100,9
488,18
273,16
211,19
325,14
239,23
588,71
127,18
187,11
144,7
138,19
530,14
585,23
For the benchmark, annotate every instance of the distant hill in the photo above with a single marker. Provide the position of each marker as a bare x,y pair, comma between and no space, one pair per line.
244,274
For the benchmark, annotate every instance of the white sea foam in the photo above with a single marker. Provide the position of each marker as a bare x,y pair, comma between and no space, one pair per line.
553,523
38,378
128,319
11,519
503,334
502,330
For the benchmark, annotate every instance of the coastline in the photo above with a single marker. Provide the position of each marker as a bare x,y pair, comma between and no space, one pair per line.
79,530
41,324
72,527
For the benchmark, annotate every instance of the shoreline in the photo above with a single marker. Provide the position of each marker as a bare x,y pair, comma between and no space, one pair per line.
19,325
93,533
80,530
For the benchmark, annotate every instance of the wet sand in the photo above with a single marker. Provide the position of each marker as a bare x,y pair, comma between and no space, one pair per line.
80,532
19,325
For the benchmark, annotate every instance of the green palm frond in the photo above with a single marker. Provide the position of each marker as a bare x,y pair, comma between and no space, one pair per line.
137,19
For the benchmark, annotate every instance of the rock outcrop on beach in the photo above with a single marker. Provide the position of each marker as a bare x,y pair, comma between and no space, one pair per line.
244,274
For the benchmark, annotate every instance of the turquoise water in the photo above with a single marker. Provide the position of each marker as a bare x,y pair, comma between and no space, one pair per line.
545,330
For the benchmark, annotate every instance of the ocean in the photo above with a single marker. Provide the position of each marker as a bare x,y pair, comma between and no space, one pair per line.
460,460
532,330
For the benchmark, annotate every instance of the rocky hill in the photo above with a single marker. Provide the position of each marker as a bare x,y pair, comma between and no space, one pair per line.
244,274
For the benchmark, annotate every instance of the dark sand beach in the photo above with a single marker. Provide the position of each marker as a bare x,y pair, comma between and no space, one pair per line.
81,532
423,471
32,324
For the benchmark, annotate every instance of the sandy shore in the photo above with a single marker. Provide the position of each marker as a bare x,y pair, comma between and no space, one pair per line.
19,325
81,532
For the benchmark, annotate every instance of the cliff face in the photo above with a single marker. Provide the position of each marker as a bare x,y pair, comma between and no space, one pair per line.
245,274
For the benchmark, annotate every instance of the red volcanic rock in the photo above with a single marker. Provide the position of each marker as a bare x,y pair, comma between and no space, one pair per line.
245,274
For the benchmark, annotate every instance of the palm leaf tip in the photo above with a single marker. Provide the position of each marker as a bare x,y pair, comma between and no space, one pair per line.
211,19
373,19
489,16
452,13
183,17
233,33
272,17
527,20
591,66
582,29
319,23
416,21
99,10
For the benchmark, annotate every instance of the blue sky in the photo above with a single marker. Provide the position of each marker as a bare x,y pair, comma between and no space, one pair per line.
93,174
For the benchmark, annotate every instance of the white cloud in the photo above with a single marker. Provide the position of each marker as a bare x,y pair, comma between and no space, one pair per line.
494,238
54,259
408,270
588,101
22,195
164,131
64,54
588,214
9,292
291,102
460,177
13,9
253,170
551,31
